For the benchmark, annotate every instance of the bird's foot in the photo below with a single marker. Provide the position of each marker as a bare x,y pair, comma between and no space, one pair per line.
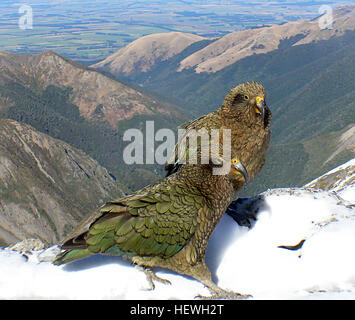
244,210
151,277
224,294
218,293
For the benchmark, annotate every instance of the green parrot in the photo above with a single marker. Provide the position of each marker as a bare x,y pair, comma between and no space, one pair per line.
166,224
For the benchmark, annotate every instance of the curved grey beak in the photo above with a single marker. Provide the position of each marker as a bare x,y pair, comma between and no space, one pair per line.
239,167
260,106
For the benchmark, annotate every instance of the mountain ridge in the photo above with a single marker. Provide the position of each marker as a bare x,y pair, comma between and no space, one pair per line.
241,44
145,52
112,99
230,48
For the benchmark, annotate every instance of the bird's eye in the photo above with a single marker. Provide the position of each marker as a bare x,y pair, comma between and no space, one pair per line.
246,97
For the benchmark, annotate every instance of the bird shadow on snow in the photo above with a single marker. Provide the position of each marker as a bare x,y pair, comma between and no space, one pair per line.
98,260
95,261
225,234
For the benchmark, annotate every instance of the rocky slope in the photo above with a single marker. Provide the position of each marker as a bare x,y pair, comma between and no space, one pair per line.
99,98
142,54
46,185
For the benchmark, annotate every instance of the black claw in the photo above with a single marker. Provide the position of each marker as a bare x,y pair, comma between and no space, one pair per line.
238,217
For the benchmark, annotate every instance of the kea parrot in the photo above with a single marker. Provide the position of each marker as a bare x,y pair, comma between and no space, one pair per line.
245,113
166,224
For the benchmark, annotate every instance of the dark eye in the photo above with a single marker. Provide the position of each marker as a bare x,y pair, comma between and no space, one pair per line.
240,99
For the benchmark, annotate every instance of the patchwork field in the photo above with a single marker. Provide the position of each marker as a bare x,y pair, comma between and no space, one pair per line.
90,31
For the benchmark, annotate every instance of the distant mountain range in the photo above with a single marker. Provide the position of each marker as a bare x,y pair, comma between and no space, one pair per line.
141,55
309,74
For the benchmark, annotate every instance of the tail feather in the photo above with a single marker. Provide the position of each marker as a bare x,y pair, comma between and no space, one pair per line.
68,256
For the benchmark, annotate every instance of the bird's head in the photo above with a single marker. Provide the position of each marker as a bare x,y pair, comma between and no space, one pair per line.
247,101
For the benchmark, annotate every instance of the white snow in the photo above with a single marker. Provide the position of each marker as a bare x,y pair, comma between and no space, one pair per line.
346,165
326,262
244,260
348,193
97,277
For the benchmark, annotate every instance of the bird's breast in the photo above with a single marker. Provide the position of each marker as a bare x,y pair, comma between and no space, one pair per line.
251,149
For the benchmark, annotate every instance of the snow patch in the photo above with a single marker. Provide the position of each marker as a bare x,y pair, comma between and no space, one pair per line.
325,263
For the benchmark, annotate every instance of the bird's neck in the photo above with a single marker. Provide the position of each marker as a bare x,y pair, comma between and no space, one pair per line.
241,118
213,187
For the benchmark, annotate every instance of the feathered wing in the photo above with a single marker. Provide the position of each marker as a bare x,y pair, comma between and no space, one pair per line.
159,221
181,150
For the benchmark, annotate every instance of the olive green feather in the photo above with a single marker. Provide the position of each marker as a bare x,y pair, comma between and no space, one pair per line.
155,221
71,255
